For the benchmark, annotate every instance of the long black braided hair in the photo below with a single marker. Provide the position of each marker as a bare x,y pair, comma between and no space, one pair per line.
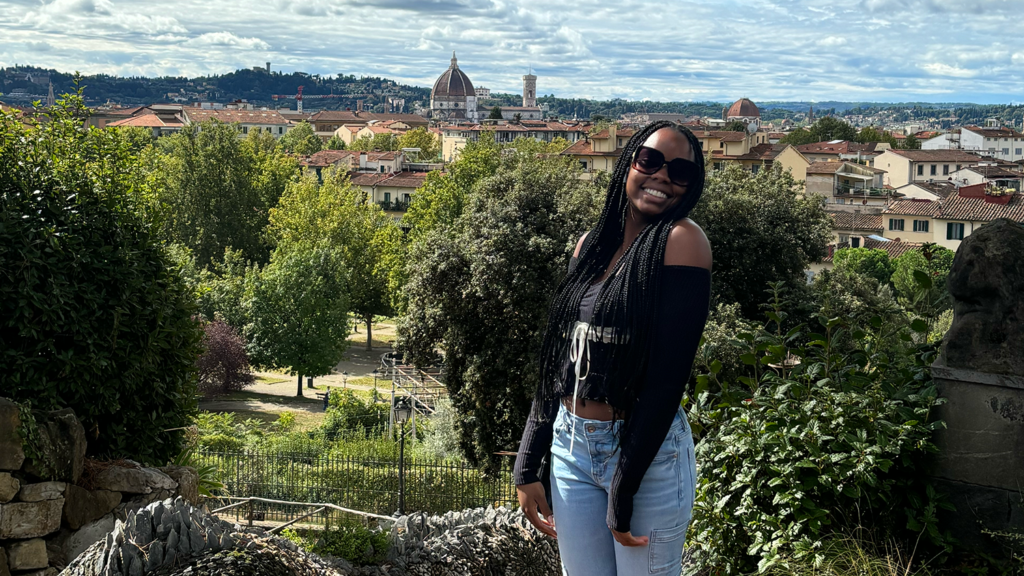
629,298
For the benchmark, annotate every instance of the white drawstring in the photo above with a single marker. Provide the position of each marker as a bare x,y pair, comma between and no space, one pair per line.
579,349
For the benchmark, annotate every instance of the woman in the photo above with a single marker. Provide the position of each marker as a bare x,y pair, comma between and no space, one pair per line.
622,333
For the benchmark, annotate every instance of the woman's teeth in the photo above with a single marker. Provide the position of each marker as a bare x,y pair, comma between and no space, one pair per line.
655,193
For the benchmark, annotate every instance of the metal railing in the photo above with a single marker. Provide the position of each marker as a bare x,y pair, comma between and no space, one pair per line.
394,205
367,484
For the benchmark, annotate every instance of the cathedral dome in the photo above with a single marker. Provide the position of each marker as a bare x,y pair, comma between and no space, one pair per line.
743,108
453,84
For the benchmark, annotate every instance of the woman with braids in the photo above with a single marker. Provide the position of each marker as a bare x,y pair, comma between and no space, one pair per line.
607,456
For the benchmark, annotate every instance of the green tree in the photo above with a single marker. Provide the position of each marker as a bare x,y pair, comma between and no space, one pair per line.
497,265
94,314
298,311
495,113
869,134
335,143
911,143
333,215
215,190
301,140
762,230
799,137
870,262
735,126
935,263
384,142
831,128
425,140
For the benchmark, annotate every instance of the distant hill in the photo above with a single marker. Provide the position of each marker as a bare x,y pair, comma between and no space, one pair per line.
23,84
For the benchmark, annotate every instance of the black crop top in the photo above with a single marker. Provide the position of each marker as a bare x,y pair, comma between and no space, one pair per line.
681,315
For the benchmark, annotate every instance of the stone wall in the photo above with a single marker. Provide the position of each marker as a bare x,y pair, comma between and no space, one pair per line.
54,504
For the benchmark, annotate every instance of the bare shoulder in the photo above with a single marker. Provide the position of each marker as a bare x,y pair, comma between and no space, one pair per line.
687,245
579,245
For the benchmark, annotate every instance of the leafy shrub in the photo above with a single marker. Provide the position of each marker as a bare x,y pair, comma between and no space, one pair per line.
220,433
93,313
848,556
224,365
350,540
793,452
871,262
347,412
442,437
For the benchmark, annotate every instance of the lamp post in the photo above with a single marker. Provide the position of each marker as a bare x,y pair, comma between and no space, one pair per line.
375,385
344,379
402,409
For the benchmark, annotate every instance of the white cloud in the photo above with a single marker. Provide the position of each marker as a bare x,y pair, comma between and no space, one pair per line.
227,39
940,69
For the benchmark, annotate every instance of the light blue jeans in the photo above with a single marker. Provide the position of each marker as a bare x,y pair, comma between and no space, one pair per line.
580,483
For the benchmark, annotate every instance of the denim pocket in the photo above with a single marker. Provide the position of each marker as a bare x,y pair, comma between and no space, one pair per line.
666,549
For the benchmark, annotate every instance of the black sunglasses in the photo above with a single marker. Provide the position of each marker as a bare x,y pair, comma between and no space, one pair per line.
681,172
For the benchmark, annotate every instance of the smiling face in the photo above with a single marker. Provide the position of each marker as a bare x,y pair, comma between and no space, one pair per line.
653,194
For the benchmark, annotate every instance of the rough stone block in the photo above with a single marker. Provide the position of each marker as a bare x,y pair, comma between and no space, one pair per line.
30,519
86,536
82,506
4,571
61,446
118,479
9,486
157,480
12,455
188,482
43,572
41,491
27,554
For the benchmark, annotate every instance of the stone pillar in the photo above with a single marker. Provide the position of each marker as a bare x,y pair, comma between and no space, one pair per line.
980,371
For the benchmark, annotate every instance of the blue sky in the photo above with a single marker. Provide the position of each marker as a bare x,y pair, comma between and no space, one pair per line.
855,50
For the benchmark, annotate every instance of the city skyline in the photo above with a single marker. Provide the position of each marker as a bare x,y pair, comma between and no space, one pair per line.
871,50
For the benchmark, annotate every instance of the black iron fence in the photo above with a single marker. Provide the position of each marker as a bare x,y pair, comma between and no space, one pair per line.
369,485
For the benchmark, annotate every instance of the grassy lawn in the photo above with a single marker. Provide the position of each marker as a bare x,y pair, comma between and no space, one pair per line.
270,398
303,420
379,340
271,380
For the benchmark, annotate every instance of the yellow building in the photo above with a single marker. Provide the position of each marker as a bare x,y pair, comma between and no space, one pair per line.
904,167
600,151
948,221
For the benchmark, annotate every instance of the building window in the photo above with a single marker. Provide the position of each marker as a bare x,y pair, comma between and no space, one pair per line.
844,238
920,169
406,198
245,129
755,168
855,242
933,170
955,231
1017,151
721,144
920,225
583,163
280,129
896,224
958,167
717,165
387,196
945,169
1006,151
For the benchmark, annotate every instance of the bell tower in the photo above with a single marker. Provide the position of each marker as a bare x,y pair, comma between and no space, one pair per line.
529,90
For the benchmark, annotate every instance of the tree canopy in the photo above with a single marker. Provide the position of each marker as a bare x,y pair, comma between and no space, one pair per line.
94,314
428,143
823,130
335,143
873,263
301,140
761,231
215,190
497,264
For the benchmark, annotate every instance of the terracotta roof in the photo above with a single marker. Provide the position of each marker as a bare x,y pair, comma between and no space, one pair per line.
619,133
937,155
895,248
981,210
743,108
724,135
367,178
405,179
325,158
956,207
145,121
585,148
913,208
854,221
452,83
995,172
940,188
994,132
232,116
763,152
361,118
382,130
776,134
841,147
824,167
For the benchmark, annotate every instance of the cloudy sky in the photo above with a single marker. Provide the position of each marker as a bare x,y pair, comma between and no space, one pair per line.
871,50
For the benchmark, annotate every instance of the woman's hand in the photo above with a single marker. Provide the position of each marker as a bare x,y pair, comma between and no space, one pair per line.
627,539
531,498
